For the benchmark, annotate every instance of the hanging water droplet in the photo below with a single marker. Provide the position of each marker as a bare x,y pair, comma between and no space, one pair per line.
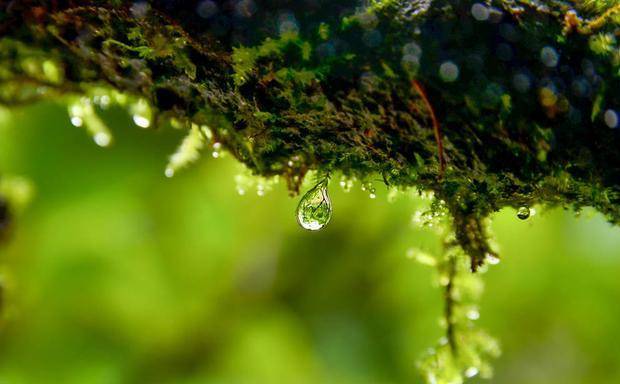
141,113
141,121
373,193
471,372
77,121
492,259
104,101
102,139
216,149
523,213
315,208
346,183
82,114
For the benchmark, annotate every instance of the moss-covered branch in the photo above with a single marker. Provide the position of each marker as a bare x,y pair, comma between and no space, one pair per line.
518,97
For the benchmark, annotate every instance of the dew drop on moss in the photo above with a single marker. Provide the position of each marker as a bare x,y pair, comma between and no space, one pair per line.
77,121
216,150
315,208
141,121
491,259
102,139
523,213
471,372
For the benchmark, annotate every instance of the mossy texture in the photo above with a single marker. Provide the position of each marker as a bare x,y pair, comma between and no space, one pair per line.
488,104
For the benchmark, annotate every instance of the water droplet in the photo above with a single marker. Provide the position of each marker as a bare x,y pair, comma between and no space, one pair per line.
169,172
346,184
104,101
315,208
473,314
141,121
471,372
523,213
492,259
102,139
217,146
77,121
372,191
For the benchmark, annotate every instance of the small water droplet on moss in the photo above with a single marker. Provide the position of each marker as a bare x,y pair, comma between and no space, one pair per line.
102,139
523,213
141,121
492,259
471,372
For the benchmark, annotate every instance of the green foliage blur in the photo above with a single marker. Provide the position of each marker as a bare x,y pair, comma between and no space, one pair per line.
117,274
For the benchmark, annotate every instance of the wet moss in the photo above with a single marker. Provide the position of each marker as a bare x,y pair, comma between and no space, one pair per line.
518,97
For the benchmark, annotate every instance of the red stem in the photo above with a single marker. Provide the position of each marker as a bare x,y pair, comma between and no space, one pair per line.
436,128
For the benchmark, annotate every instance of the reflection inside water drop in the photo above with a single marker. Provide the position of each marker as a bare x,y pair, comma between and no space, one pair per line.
315,208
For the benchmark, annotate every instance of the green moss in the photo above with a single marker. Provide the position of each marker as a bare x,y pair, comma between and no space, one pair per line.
521,122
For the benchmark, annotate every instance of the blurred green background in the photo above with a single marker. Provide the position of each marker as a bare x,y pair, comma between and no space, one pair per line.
116,274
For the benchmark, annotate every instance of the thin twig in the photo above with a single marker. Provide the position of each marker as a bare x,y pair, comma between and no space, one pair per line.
436,128
449,303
